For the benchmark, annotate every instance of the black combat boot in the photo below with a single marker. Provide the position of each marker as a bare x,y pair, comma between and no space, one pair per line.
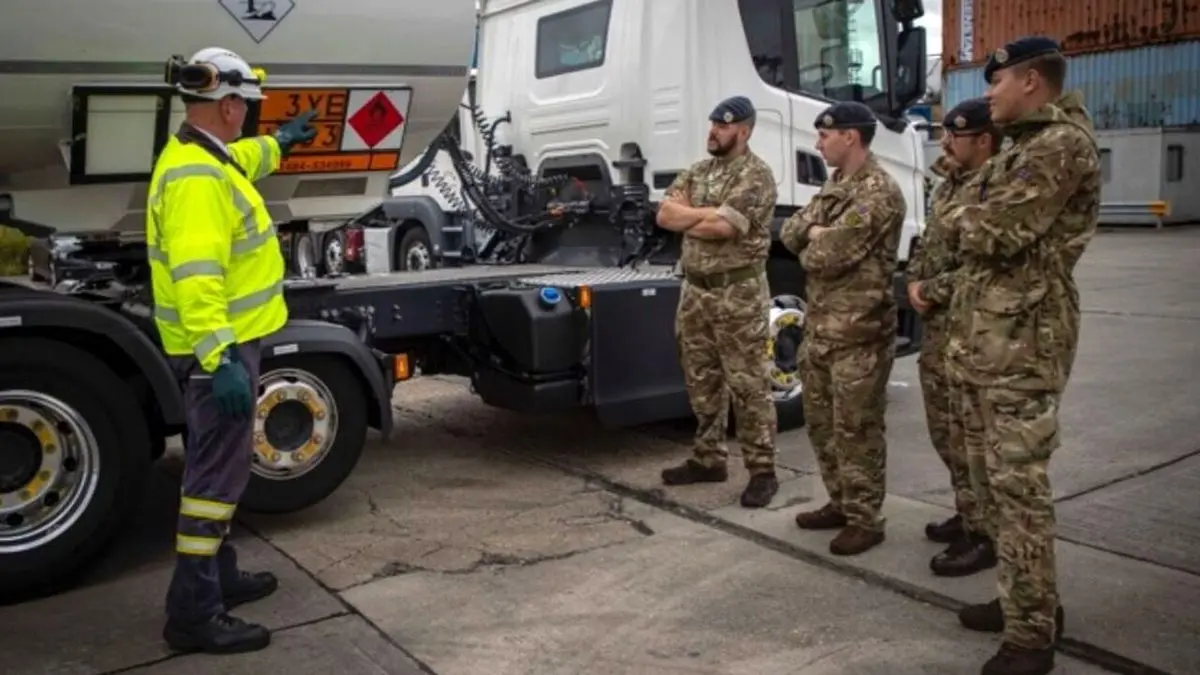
1013,660
971,554
989,618
222,634
947,531
691,472
248,587
760,490
827,517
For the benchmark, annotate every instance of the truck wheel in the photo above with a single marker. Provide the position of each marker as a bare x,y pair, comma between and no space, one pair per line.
333,252
304,255
309,432
414,252
786,325
76,451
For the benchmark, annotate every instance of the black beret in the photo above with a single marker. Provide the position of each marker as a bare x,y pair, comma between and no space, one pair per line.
733,109
846,115
972,115
1017,51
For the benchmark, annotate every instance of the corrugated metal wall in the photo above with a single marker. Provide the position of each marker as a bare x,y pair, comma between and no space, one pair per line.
1081,26
1147,87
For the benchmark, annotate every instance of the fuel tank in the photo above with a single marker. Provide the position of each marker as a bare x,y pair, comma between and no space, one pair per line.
84,108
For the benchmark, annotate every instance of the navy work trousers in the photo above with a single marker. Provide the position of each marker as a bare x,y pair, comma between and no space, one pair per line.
216,471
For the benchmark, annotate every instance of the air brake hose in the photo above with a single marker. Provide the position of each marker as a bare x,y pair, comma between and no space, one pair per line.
486,209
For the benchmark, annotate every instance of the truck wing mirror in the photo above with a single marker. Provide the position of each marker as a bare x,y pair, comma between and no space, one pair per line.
908,85
907,11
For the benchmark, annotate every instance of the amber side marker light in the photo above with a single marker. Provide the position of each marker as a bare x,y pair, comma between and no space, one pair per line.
400,367
585,297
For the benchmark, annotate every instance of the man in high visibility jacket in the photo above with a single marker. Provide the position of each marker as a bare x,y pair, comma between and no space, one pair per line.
217,273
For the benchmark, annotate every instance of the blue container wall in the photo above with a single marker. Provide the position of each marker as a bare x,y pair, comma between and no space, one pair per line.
1155,86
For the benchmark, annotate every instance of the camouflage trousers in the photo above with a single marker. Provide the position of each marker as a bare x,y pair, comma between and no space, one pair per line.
946,430
845,401
722,339
1010,437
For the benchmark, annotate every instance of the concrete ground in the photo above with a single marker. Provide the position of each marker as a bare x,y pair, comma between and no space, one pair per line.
481,541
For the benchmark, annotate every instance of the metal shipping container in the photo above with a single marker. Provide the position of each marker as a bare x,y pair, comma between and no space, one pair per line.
1155,86
971,29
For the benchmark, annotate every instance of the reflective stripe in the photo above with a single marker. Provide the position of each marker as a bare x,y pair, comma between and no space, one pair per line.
189,545
253,241
264,146
197,268
167,314
243,304
154,248
253,238
209,344
256,299
205,509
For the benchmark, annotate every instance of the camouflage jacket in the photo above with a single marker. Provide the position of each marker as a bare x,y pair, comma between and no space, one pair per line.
936,260
743,190
849,266
1015,313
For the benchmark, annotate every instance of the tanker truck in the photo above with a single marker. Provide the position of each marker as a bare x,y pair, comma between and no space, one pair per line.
87,401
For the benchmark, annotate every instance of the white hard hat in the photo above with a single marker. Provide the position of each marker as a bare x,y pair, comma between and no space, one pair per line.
227,75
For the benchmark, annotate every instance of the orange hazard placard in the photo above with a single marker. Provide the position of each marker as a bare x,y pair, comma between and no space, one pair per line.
329,151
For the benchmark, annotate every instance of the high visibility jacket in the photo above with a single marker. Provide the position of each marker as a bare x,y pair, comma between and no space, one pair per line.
215,262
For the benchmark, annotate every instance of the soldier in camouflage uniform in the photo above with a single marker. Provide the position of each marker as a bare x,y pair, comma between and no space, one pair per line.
970,140
847,238
1015,330
723,208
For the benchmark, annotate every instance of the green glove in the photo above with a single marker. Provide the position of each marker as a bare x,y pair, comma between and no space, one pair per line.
231,387
296,130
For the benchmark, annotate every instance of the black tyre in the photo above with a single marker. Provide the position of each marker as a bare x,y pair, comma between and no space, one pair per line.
333,252
414,252
312,433
786,280
304,255
76,452
787,335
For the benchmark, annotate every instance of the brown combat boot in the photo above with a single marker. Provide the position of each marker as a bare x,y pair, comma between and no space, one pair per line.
827,517
760,490
853,540
989,618
691,472
1014,660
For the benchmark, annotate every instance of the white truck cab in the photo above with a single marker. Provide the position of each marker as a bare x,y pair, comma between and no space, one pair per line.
589,83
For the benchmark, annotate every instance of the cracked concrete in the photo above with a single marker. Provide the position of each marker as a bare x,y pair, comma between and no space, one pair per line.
461,509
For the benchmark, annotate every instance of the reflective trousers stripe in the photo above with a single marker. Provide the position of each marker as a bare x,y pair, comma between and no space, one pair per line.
206,509
202,546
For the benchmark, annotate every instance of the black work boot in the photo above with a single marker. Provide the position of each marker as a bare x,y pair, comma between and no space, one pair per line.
827,517
971,554
760,490
248,587
222,634
1014,660
691,472
989,618
946,532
